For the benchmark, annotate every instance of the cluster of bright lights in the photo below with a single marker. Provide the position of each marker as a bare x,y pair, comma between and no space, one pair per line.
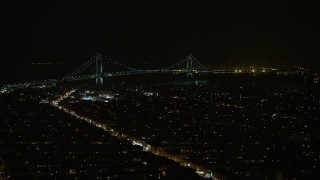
34,84
201,171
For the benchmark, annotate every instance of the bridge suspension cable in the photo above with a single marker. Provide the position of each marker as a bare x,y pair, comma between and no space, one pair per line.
198,63
175,64
82,67
111,61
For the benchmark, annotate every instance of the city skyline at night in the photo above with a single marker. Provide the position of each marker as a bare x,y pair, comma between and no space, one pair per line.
106,90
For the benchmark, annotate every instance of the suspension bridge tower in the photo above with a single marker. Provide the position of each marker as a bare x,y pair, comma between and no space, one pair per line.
189,66
99,70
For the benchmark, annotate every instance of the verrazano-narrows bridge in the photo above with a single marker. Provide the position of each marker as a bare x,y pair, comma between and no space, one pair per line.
189,65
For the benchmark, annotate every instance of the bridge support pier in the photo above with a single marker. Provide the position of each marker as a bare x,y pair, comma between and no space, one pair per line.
189,66
99,70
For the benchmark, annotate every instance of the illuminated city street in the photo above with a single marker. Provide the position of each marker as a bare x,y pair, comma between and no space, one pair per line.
206,173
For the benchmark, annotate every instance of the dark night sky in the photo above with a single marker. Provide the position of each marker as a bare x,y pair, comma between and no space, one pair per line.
227,32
